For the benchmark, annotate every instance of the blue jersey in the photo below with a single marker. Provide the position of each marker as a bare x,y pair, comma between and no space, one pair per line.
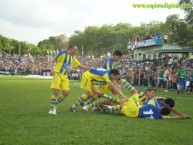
149,111
100,72
160,102
154,102
109,64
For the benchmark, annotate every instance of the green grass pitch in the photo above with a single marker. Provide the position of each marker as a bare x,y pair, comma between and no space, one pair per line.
24,119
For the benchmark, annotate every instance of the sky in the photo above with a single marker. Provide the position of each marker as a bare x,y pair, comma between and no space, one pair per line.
36,20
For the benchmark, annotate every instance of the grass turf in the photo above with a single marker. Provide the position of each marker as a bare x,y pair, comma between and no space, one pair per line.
24,119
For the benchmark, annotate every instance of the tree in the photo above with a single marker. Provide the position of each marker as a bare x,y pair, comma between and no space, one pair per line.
180,31
188,11
45,46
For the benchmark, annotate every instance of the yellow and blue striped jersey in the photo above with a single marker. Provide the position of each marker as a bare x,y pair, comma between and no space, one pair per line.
142,97
100,76
65,62
154,102
109,64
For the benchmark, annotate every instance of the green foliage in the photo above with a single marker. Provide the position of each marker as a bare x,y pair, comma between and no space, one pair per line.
178,30
45,45
25,120
98,40
14,46
188,11
54,43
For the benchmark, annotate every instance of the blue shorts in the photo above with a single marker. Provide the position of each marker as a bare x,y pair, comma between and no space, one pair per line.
182,83
161,82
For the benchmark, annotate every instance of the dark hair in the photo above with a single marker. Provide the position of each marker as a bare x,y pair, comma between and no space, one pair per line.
71,46
118,53
170,102
165,110
114,72
150,89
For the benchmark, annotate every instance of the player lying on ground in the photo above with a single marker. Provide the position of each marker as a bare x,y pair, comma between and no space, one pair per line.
133,108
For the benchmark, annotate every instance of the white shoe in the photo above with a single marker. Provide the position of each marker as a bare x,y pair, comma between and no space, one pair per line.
85,108
53,111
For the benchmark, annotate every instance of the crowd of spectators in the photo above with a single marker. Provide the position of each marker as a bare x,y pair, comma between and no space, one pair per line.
147,36
26,64
143,74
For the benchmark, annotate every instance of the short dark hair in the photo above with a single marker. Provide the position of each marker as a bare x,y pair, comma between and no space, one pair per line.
150,89
170,102
118,53
165,110
114,72
71,46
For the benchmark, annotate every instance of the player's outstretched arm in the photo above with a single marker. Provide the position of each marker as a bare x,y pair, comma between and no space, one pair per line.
176,111
117,90
86,67
180,117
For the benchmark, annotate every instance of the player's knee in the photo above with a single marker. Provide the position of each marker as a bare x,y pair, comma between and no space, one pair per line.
66,93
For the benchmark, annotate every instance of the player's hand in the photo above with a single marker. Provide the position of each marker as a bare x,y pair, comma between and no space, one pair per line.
186,116
93,68
124,99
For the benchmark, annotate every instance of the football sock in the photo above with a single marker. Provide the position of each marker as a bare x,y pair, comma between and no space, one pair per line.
93,105
127,85
112,109
60,99
80,101
53,101
91,99
113,99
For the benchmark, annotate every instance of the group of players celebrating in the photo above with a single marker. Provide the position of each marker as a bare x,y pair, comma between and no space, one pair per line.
95,82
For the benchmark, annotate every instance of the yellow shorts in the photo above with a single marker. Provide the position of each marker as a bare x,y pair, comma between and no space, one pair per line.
131,107
86,81
60,82
104,88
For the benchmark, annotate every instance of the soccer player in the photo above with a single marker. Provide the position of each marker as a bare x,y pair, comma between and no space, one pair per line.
60,67
90,79
133,108
168,102
109,64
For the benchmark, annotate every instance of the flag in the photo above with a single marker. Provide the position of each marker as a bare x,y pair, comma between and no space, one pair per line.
134,44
